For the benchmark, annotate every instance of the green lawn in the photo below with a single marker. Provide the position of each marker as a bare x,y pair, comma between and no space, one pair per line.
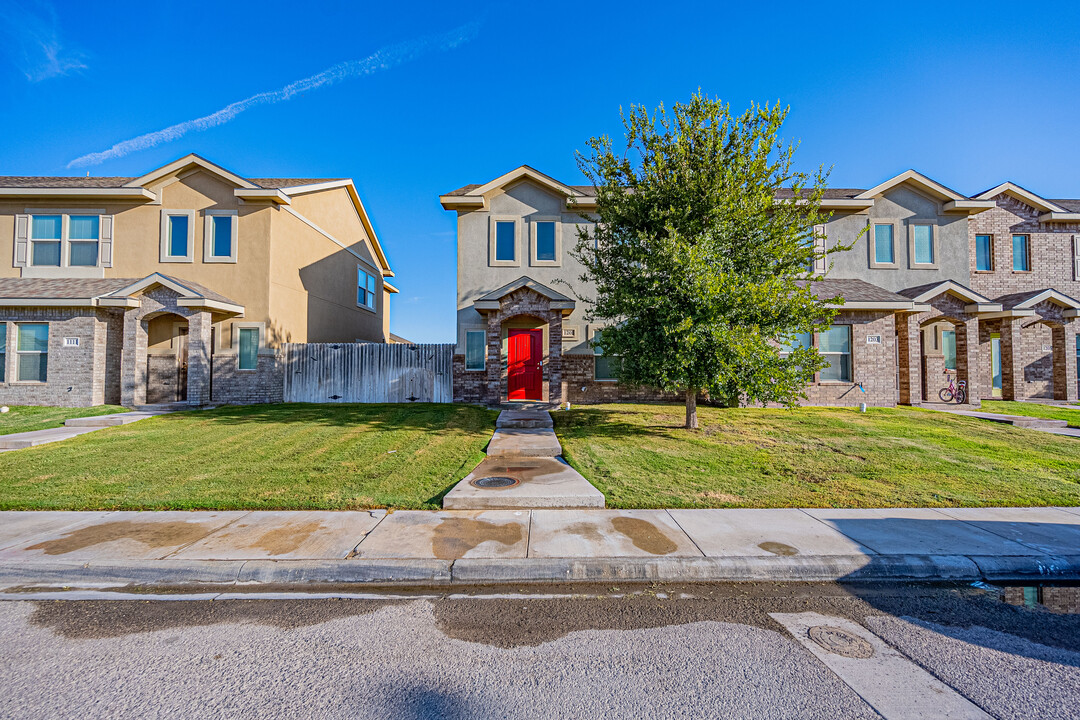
1030,409
257,456
815,457
23,418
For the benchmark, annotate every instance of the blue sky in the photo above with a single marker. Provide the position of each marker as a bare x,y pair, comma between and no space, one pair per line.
971,95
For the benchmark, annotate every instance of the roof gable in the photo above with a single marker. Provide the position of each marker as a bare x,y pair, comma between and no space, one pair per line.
525,282
912,177
1020,193
189,160
924,293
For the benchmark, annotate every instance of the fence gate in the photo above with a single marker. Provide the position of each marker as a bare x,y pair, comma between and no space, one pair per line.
368,373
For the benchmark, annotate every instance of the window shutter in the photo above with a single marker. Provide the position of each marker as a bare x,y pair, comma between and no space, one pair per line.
820,264
105,241
22,240
1076,257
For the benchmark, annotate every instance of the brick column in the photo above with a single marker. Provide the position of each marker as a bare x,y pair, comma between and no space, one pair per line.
1064,339
133,362
494,359
555,362
967,358
198,374
909,356
1012,362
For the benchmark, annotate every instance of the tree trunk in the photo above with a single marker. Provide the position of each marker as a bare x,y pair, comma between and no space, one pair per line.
691,409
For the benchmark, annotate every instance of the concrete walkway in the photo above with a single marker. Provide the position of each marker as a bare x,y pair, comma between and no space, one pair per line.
523,469
307,549
1049,425
74,427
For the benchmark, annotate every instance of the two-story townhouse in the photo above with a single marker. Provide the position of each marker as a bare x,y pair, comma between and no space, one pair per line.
912,311
180,285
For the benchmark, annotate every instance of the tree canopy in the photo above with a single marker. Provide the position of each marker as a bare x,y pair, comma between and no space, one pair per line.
698,268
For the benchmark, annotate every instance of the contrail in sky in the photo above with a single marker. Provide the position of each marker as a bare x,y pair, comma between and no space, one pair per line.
383,59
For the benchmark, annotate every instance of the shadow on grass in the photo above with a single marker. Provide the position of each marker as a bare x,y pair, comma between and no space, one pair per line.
380,416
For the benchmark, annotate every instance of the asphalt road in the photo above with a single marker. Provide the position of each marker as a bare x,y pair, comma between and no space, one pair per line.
640,652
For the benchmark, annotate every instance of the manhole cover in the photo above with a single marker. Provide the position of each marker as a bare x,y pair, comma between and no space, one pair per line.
841,642
495,481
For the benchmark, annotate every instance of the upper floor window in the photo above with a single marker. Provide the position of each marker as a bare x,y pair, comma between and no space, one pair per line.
64,240
984,252
177,235
365,289
545,241
219,236
1021,253
503,242
922,245
884,244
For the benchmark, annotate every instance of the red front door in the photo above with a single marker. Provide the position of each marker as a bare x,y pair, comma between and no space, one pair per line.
525,365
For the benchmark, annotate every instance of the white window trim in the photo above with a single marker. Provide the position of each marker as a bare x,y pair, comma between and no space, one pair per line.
872,243
375,295
850,355
934,249
208,236
18,326
492,225
65,241
6,362
483,333
260,328
533,246
164,253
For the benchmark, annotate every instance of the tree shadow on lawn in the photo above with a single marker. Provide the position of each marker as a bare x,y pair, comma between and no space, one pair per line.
379,416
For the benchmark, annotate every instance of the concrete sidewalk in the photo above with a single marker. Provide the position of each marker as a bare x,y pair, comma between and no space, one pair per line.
305,549
75,427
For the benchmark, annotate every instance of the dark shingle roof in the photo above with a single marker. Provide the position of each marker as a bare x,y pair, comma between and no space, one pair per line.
82,288
60,288
1008,302
1068,204
854,291
830,193
587,190
20,181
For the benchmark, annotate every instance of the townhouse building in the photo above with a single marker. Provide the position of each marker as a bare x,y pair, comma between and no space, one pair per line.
935,285
180,285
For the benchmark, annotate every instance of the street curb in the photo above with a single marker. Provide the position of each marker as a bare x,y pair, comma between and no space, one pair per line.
776,569
301,574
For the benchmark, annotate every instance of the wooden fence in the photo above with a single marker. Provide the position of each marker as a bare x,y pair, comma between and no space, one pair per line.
368,373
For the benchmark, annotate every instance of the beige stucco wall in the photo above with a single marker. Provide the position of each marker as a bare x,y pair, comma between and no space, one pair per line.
313,280
292,278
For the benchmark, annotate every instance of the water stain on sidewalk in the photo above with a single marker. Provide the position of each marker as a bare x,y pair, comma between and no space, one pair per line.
155,534
453,537
644,535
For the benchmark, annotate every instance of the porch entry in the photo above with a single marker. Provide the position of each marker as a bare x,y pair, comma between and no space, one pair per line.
525,365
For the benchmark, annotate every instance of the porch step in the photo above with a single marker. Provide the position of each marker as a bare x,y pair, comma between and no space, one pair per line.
541,483
524,419
109,420
524,442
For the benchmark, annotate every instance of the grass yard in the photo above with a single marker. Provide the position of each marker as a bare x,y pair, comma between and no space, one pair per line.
24,418
815,457
1071,413
256,457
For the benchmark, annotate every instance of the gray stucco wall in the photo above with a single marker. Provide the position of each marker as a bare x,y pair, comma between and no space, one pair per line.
901,205
524,202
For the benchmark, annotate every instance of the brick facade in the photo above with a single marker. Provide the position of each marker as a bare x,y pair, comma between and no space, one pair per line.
1050,247
79,376
265,384
872,365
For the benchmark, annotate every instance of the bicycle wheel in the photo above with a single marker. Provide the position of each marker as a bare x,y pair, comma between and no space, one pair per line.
946,395
961,396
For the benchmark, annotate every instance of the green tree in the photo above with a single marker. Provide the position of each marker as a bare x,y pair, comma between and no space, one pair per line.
698,269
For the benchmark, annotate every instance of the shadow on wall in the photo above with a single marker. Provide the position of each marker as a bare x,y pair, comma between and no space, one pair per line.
332,313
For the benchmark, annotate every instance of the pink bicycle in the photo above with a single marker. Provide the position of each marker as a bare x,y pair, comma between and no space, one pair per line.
955,391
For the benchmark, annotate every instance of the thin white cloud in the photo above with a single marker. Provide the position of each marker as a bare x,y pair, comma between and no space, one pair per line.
30,36
383,59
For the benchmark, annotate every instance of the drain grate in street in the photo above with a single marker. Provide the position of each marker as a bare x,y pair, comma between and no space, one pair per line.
494,481
841,642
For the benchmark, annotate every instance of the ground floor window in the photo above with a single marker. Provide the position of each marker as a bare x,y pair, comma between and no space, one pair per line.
1077,357
475,345
835,346
798,340
249,348
605,367
3,350
32,351
948,348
